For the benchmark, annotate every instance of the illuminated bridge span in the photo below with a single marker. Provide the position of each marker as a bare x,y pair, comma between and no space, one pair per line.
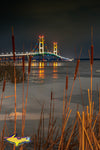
39,53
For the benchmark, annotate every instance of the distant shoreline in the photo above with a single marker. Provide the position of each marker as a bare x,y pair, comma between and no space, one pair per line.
87,59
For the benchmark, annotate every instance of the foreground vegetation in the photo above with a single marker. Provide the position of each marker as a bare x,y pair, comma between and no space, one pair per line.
8,71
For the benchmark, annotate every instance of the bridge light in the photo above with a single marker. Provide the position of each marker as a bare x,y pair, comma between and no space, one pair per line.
39,36
55,48
41,44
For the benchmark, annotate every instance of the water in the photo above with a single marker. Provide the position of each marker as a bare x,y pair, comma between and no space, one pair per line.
43,79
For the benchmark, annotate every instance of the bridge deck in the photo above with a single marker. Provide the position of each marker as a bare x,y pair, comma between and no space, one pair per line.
47,56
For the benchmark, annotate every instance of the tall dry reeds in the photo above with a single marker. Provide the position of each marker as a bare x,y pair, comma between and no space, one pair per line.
3,89
23,66
13,45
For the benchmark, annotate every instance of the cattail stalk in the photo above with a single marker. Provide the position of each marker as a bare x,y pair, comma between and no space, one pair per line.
80,137
43,128
69,140
95,122
91,61
76,70
39,129
9,96
94,138
75,74
29,67
63,115
99,112
13,46
66,92
23,65
92,107
52,131
65,122
91,83
70,97
83,131
87,118
81,90
3,131
49,126
15,105
3,89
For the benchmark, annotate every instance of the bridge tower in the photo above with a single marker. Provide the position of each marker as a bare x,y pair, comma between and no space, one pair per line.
55,48
41,44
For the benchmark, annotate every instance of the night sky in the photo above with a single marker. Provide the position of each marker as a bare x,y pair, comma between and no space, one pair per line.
66,22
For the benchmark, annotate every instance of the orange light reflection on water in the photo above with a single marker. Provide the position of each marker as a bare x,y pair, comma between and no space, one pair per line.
41,70
34,64
41,64
55,64
55,71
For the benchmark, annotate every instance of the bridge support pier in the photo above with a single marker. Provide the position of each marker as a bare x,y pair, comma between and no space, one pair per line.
41,44
55,48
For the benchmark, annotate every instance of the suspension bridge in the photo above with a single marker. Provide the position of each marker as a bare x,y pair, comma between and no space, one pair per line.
39,54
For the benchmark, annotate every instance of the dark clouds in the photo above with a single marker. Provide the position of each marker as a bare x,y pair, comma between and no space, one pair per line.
67,22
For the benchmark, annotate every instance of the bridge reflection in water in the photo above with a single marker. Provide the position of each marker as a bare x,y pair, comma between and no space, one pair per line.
55,71
41,71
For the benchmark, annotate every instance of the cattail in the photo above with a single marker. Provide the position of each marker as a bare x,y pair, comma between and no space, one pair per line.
13,44
4,84
23,59
29,66
76,70
91,54
66,82
91,45
51,95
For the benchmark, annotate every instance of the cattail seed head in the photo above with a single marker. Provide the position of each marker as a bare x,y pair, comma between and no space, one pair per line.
66,82
13,44
51,95
91,54
76,70
4,84
29,66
